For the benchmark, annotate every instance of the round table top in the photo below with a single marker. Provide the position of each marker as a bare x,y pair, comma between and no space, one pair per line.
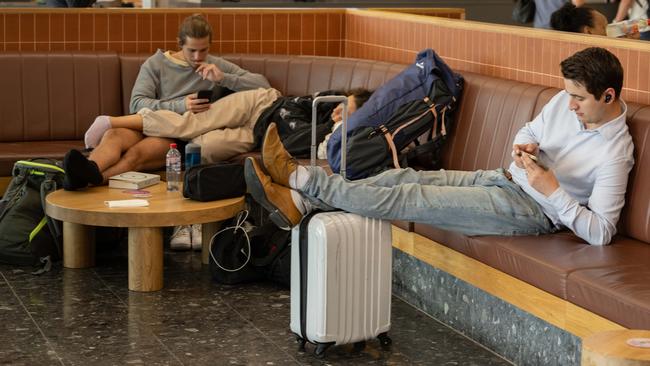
618,344
87,207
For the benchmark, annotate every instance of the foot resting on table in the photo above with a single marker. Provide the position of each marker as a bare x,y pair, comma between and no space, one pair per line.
79,171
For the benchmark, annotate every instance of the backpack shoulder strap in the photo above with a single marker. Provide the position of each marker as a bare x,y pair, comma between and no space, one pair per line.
48,185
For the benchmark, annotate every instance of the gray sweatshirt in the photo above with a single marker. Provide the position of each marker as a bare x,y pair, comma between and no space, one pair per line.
162,84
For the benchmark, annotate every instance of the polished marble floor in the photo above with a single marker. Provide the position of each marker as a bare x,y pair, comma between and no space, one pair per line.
88,317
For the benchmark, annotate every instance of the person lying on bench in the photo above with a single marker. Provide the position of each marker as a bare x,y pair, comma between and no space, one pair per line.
570,170
224,131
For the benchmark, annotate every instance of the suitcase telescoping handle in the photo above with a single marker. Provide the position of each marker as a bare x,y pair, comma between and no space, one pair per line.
344,128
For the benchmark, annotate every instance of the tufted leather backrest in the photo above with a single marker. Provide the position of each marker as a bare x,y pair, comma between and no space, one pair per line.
635,220
130,65
55,96
303,75
291,75
490,113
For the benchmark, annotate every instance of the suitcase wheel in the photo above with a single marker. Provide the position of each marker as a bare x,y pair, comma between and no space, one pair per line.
319,352
358,346
385,341
301,344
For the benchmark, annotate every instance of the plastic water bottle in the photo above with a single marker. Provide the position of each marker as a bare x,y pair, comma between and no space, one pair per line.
173,163
620,29
192,155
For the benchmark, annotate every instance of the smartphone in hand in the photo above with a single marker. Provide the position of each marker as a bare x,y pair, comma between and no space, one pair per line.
534,159
205,94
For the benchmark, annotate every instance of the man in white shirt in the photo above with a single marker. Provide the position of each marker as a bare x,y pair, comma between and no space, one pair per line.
575,177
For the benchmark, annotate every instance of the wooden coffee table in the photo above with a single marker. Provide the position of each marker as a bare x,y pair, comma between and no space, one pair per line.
80,210
621,347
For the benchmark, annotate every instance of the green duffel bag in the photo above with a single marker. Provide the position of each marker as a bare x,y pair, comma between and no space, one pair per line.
27,235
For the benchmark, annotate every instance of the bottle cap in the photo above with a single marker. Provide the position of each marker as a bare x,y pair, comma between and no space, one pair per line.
172,145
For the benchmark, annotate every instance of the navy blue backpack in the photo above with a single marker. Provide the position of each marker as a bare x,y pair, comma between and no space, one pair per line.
404,123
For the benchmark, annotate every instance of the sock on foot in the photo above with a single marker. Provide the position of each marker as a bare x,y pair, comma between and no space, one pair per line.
299,177
95,132
302,204
79,171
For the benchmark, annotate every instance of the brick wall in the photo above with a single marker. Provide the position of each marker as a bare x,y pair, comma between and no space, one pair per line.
511,52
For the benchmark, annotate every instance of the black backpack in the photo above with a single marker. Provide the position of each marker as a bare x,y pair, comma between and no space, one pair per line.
27,235
412,136
292,116
418,98
241,256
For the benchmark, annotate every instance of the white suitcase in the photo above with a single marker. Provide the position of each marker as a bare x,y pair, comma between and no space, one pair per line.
341,271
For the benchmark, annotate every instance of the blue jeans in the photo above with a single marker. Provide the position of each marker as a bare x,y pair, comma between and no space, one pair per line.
473,203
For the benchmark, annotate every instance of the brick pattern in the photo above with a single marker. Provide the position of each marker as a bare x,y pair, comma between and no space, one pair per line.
510,52
270,31
452,13
515,53
303,32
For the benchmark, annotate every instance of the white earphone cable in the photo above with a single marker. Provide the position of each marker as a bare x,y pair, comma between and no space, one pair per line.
241,218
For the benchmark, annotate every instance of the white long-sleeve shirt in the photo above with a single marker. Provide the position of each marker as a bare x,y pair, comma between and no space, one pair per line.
592,167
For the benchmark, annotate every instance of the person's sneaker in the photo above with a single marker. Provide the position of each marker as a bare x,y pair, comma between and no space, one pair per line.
273,197
181,238
197,240
275,158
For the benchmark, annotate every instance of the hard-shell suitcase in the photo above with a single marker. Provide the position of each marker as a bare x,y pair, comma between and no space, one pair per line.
341,272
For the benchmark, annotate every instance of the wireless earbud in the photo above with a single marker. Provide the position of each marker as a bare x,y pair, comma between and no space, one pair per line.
608,98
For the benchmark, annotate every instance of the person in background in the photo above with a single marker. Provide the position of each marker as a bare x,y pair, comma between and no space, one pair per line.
69,3
633,9
544,9
293,117
356,99
569,171
167,81
570,18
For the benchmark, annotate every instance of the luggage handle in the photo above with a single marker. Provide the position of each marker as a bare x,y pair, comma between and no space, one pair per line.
302,241
344,128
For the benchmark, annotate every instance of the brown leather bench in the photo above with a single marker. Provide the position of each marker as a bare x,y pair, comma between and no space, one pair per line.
612,281
48,100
